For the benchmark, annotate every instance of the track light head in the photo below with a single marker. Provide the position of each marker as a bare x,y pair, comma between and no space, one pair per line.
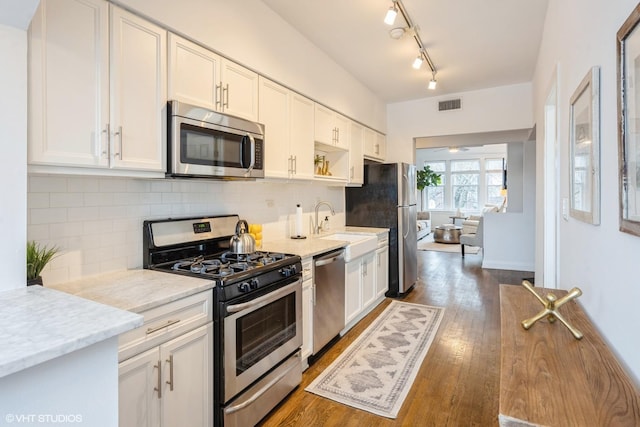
417,63
433,82
390,17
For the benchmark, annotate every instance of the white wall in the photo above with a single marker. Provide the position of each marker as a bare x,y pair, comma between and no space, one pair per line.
509,238
13,145
250,33
600,260
487,110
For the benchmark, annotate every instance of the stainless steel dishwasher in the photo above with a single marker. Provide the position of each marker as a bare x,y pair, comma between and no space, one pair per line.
328,301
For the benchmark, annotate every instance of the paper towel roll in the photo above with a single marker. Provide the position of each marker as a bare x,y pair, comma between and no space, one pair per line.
298,220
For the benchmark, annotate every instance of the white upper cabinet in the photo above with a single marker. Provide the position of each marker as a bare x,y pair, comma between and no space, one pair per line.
239,91
288,120
194,73
201,77
331,128
356,160
69,84
138,92
97,89
374,145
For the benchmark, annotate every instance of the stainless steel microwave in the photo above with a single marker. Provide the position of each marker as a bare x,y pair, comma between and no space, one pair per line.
206,144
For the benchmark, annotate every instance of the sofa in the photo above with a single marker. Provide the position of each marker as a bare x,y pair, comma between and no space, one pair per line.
424,224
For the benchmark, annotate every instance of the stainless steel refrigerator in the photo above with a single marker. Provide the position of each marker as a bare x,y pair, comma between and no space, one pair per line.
388,199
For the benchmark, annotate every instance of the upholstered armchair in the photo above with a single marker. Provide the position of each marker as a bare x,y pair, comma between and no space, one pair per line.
424,224
469,238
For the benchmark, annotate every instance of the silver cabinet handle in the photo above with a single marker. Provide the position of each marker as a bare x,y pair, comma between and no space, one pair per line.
159,387
226,90
295,165
104,153
157,328
118,133
170,362
219,96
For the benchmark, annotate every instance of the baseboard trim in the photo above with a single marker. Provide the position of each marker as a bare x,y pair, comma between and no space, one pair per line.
506,265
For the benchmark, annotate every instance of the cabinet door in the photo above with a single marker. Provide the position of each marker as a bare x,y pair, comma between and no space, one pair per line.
69,84
343,131
369,143
382,271
239,90
138,92
301,138
307,318
353,291
194,73
138,402
324,128
188,379
368,279
356,160
273,112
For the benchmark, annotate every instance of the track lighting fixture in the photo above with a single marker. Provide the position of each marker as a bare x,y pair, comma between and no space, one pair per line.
398,32
390,17
433,82
417,63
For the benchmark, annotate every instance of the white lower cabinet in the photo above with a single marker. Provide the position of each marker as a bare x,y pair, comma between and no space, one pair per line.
171,383
360,285
307,310
382,267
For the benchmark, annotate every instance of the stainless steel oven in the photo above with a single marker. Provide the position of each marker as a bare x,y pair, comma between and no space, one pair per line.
207,144
262,338
257,316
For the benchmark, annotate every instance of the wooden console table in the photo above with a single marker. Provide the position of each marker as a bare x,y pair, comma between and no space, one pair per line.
548,378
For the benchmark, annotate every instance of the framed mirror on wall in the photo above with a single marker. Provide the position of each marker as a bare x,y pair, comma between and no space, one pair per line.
628,55
584,147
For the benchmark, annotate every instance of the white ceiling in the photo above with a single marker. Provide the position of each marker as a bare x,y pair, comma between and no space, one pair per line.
473,44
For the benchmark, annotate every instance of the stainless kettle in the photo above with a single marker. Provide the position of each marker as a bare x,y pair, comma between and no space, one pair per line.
242,242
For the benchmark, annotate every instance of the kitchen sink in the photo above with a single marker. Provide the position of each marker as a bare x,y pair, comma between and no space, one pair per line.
359,244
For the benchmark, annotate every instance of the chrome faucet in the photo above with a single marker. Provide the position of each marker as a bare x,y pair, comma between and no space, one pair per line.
316,226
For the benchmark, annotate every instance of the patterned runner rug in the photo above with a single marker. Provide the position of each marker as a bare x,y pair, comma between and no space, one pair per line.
376,371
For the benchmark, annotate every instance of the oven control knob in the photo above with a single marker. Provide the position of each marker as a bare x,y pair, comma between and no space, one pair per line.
288,271
244,287
254,283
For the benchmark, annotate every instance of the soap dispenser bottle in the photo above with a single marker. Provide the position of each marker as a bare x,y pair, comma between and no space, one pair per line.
325,224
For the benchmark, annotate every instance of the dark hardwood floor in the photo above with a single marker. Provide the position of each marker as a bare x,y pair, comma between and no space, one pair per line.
458,382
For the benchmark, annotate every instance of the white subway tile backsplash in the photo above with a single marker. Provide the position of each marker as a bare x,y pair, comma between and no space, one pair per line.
48,215
66,200
88,213
47,184
97,221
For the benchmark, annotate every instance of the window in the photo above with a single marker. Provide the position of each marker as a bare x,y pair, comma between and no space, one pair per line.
465,186
434,196
493,177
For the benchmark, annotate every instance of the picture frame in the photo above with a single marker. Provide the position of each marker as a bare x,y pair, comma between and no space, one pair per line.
628,80
584,147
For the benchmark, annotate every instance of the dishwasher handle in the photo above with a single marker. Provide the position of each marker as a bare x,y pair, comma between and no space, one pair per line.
330,258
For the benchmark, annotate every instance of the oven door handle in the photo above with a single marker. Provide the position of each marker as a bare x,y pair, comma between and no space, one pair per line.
259,393
268,297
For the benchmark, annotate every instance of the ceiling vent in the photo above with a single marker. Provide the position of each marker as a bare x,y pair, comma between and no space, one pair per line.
451,104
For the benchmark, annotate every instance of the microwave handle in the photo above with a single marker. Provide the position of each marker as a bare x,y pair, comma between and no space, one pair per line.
253,153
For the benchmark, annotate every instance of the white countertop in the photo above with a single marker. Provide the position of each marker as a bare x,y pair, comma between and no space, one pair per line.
135,290
313,245
40,324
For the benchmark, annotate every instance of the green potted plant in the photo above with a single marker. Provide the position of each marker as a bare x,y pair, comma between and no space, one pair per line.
37,258
427,178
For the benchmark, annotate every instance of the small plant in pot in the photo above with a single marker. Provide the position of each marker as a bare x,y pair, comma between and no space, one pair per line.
37,258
